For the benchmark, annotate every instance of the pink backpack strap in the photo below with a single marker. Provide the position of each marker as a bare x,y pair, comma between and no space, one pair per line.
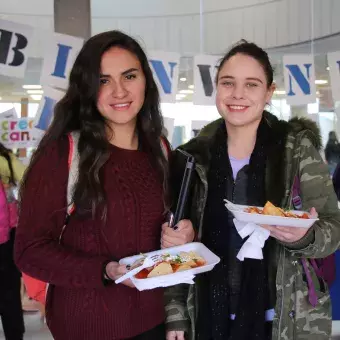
165,147
73,169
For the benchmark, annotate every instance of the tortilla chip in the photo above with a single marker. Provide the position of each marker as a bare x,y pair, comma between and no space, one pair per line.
161,269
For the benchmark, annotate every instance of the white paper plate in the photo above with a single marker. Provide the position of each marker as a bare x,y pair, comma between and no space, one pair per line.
210,258
242,216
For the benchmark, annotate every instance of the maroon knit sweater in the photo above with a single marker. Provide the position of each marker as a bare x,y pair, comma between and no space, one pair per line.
79,306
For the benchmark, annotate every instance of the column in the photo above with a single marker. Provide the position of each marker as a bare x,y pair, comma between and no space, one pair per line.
73,17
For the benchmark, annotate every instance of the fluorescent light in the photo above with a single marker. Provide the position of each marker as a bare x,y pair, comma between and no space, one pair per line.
186,91
31,87
191,87
36,96
321,82
279,92
183,79
327,68
35,91
180,96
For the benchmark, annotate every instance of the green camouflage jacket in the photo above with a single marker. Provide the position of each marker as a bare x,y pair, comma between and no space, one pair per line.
295,318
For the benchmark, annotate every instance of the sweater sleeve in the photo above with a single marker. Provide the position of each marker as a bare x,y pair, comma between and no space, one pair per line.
43,208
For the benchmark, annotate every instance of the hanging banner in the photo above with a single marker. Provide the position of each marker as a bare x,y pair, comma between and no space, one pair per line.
17,133
61,51
45,111
169,127
165,68
299,77
14,43
197,126
205,68
11,113
334,72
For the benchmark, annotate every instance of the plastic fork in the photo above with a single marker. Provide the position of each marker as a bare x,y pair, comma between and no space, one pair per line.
148,262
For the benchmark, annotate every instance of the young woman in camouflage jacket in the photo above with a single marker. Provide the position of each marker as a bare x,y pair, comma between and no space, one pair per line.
250,157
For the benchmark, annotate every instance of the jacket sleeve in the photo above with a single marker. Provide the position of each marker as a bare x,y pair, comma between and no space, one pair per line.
317,191
42,215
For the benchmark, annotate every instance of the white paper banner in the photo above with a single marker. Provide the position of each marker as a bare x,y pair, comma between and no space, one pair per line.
169,125
165,68
334,72
60,53
17,133
205,68
14,43
11,113
299,76
45,111
197,125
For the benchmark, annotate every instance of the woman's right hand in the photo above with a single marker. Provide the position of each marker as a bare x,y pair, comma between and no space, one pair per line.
114,270
175,335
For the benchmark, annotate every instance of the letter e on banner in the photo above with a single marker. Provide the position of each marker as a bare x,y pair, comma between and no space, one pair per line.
299,76
14,43
60,53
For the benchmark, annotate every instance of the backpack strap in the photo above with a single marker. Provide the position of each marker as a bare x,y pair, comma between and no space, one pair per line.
165,147
296,198
73,166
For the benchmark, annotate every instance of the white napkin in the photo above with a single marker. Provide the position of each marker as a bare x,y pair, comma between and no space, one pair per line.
163,281
252,248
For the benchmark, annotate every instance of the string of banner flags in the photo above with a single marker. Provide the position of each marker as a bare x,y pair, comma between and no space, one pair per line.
60,51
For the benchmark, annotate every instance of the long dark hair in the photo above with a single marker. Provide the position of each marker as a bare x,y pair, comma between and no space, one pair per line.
77,110
4,152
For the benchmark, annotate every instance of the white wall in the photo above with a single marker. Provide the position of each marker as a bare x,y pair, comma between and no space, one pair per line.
174,25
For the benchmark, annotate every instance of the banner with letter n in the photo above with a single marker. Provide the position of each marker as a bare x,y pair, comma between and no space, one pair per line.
299,77
60,53
15,40
334,72
165,68
205,69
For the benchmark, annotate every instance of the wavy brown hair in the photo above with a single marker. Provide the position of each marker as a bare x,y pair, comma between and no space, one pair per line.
77,110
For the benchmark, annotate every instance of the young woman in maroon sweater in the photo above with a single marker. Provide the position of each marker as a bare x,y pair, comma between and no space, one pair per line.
112,100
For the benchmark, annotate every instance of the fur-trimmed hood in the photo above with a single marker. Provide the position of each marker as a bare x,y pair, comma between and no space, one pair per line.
298,125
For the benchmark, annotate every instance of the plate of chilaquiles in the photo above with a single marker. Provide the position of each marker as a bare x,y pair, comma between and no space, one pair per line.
172,263
271,215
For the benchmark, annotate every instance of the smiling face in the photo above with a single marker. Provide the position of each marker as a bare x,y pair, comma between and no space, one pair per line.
122,87
242,90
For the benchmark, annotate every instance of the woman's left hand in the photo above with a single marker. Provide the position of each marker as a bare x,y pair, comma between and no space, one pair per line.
181,234
289,234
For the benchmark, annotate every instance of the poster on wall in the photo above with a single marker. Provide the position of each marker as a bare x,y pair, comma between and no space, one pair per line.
17,132
205,68
61,51
165,68
45,111
299,78
15,40
334,72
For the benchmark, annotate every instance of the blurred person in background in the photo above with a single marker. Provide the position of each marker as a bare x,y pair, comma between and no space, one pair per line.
332,152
